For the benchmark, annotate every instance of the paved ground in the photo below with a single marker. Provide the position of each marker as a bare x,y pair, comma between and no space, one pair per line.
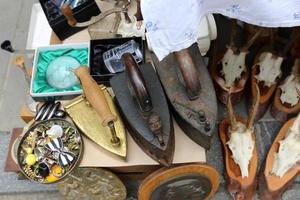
14,23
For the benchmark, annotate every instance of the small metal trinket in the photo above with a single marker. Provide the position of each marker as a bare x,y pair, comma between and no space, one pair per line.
49,150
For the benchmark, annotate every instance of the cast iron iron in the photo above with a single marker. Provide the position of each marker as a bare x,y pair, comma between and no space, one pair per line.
190,90
145,109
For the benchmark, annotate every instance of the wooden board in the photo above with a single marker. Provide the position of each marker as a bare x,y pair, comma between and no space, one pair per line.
273,186
182,183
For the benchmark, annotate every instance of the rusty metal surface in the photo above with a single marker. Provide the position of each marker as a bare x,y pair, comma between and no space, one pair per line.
136,122
196,117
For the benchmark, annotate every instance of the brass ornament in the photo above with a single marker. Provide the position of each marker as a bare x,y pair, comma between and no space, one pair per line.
89,122
46,159
92,184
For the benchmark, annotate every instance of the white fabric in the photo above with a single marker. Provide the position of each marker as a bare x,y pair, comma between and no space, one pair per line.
173,24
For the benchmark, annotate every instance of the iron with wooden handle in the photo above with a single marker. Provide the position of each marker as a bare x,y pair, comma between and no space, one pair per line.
97,99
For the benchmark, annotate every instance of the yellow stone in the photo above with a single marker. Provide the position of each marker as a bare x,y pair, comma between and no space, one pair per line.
51,178
57,170
30,159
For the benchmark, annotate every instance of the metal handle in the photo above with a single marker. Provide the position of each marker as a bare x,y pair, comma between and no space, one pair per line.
189,73
137,82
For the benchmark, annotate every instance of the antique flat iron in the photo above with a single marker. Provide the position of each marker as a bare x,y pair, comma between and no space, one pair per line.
282,164
145,109
229,69
191,92
96,115
240,153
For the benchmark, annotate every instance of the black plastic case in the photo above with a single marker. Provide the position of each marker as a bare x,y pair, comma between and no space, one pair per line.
98,69
59,24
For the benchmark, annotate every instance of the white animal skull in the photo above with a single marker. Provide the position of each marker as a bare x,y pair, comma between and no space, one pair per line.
241,145
289,150
269,67
233,65
289,92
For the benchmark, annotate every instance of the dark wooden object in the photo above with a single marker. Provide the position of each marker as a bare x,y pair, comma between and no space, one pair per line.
196,117
191,181
240,188
271,186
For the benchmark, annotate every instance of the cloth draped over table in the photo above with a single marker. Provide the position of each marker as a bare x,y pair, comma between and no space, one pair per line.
40,83
173,24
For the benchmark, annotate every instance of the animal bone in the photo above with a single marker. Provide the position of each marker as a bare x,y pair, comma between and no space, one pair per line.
269,68
233,66
241,142
289,150
289,93
241,145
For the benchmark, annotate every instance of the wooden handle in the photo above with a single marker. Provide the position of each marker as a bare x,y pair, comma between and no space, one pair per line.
137,82
19,61
94,95
138,14
68,13
189,73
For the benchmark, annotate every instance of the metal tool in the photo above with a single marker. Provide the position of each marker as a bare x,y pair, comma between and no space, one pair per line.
68,13
122,23
145,110
190,91
20,62
98,119
7,46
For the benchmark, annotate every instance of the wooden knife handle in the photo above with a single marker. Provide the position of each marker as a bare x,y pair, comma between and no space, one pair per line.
68,13
94,95
137,82
189,73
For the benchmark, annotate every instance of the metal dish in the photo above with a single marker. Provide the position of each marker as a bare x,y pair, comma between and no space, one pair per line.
39,152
